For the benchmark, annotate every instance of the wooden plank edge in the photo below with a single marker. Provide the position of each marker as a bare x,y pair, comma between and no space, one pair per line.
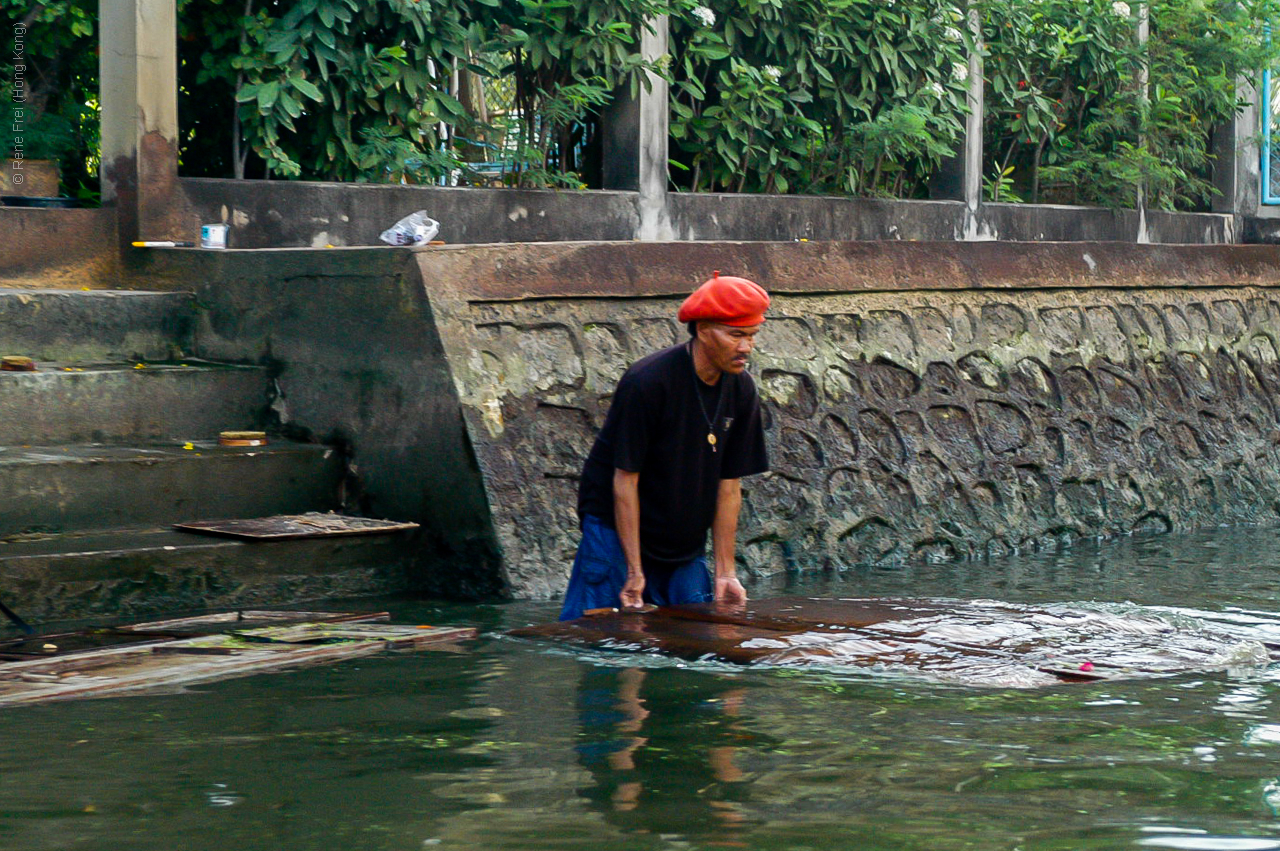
219,667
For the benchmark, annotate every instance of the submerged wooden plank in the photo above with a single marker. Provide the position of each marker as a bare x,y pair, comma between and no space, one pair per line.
707,631
979,641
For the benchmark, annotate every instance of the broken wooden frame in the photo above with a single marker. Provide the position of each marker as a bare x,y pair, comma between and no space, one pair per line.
174,653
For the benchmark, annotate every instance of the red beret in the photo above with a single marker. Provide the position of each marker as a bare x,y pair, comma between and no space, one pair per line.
727,300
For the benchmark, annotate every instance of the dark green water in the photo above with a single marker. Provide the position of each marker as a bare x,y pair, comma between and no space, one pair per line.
516,745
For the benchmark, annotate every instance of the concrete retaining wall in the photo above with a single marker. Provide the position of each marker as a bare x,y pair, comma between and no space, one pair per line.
924,401
350,338
944,401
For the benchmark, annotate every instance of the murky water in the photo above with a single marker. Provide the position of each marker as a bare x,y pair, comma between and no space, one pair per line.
518,745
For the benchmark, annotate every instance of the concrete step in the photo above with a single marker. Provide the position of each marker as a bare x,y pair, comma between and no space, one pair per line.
62,404
132,573
96,326
72,488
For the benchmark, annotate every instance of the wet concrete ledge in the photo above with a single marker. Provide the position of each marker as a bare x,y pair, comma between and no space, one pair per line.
925,401
608,270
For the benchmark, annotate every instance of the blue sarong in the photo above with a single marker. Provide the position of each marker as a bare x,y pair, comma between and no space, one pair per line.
600,571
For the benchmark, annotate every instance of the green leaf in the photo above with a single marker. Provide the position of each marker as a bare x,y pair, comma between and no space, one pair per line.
308,89
713,51
267,95
290,104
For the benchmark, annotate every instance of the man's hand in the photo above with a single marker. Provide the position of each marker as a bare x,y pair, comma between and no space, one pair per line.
724,529
730,590
626,515
633,591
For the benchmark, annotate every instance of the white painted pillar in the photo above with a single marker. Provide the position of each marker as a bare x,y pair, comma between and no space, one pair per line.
139,102
655,136
973,153
1144,83
635,132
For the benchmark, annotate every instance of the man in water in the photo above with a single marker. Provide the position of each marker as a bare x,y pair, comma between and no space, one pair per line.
683,429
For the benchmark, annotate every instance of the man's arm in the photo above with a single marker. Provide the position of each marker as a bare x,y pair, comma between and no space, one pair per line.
724,531
626,519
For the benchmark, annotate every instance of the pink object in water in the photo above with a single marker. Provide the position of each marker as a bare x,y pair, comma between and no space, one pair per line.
1087,666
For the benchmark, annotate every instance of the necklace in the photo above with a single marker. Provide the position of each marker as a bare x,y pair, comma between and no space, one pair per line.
697,392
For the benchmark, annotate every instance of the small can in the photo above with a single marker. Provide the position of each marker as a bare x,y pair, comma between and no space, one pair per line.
242,438
213,236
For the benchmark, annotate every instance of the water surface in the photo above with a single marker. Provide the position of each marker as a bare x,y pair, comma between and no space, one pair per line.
519,745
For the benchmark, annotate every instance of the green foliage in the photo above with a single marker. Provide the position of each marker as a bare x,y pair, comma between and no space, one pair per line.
567,58
355,90
862,97
1067,107
388,153
843,96
312,81
999,187
60,82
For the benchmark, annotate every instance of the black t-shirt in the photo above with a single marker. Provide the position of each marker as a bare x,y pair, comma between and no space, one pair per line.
657,427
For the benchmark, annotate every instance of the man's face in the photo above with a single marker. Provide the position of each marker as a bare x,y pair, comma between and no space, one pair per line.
728,346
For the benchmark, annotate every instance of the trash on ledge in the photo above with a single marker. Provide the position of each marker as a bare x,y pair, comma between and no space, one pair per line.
414,229
17,363
242,438
214,236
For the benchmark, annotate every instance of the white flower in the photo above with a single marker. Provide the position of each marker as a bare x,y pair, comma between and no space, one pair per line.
772,73
952,34
1121,9
959,71
937,89
705,16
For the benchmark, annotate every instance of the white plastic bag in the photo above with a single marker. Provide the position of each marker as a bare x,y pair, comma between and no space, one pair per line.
415,229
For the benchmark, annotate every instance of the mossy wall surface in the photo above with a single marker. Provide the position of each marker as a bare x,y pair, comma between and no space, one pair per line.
924,401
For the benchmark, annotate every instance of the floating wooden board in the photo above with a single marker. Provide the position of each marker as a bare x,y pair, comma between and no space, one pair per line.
160,662
49,646
974,642
287,526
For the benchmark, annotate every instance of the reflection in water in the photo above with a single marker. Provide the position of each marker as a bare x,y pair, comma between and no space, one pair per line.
516,746
663,755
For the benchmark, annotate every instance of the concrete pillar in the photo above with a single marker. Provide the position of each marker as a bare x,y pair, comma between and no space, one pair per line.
636,130
976,98
1238,157
959,178
139,101
1144,83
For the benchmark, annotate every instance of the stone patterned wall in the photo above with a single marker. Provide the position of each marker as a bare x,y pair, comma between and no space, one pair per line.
931,425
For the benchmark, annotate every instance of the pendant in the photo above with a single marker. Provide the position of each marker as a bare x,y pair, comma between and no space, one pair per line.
711,438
